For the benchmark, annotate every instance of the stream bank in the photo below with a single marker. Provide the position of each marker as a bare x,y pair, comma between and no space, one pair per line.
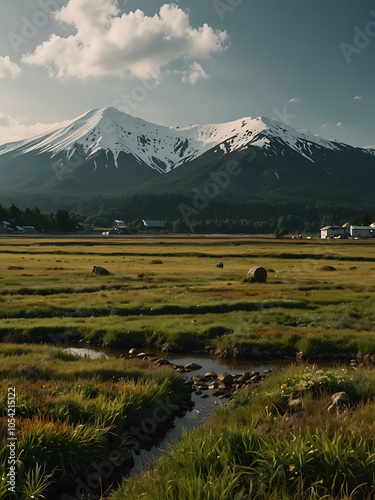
149,446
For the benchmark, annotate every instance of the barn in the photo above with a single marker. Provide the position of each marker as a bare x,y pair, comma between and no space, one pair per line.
120,227
152,224
332,231
362,231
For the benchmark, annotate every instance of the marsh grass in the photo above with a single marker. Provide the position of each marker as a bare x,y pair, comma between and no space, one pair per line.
251,449
72,412
56,296
254,448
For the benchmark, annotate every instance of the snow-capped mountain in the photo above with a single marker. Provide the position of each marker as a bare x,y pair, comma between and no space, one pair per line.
106,149
160,147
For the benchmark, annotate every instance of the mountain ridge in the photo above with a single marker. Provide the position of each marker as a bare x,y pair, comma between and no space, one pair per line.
106,150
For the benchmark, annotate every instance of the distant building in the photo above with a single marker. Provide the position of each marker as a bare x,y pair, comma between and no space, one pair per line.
120,227
29,229
362,231
333,231
5,226
153,224
80,225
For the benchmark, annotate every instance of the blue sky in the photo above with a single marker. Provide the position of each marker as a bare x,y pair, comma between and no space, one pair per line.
309,64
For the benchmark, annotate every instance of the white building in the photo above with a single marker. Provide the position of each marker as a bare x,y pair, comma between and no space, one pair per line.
362,231
332,231
5,226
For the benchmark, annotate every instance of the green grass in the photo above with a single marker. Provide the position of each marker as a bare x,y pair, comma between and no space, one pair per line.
55,297
255,448
73,412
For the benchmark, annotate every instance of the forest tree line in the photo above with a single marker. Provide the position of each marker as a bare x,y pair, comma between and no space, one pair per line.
179,215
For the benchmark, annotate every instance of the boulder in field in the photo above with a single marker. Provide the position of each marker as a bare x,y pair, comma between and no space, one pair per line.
102,271
257,274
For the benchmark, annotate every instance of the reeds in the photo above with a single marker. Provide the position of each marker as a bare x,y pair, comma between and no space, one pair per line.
74,413
255,448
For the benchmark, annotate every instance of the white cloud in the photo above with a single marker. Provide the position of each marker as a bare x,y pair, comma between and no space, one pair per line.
14,129
194,74
326,125
8,69
127,45
6,120
358,98
295,99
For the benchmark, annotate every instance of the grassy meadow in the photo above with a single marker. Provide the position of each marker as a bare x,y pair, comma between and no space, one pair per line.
77,418
318,297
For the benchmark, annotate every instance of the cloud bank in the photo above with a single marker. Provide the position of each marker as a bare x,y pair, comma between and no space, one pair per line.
133,44
15,129
8,69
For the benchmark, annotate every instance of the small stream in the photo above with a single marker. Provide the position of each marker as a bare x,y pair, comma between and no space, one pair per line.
203,407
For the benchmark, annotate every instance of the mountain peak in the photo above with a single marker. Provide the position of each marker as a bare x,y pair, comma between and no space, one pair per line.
164,148
105,149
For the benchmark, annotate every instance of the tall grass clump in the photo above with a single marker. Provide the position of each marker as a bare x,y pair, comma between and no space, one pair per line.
74,412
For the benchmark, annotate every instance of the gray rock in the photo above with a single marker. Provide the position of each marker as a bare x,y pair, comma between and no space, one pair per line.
133,351
340,402
192,366
219,392
162,362
295,405
226,378
171,347
100,271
